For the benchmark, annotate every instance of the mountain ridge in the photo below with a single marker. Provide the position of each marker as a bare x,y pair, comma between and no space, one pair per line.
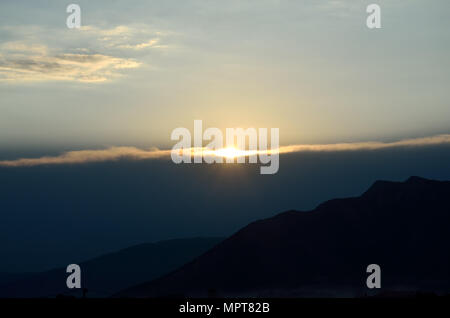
395,224
106,274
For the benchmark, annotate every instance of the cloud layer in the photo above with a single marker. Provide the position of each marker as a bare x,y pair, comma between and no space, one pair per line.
35,63
90,54
133,153
86,156
369,145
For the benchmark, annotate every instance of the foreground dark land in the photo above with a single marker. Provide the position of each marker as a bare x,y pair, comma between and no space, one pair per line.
401,226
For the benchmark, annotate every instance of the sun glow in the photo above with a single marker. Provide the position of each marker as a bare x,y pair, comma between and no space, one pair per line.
230,152
227,152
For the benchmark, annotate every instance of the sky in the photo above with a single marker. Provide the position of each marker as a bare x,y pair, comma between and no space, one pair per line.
137,70
86,114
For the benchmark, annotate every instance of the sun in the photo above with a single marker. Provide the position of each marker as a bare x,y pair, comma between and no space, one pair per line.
229,152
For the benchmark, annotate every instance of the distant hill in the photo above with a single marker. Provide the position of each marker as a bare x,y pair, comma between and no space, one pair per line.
109,273
11,277
402,226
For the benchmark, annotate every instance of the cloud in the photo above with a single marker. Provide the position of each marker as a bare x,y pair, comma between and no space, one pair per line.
22,48
89,54
140,46
370,145
116,31
86,156
133,153
23,62
128,37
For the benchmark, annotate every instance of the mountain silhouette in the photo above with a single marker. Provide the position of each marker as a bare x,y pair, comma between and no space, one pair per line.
401,226
108,274
12,277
